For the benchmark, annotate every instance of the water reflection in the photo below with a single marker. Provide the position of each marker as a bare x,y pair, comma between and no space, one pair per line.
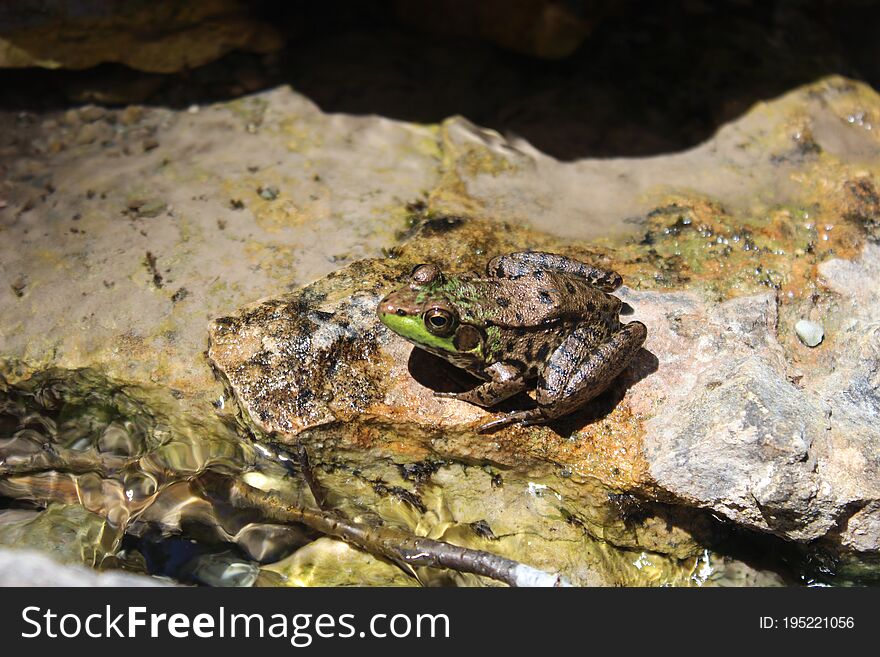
118,476
107,461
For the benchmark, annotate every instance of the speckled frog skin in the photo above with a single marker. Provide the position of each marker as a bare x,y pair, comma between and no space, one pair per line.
533,319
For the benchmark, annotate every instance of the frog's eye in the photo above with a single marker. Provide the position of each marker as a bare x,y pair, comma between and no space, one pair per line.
424,274
440,322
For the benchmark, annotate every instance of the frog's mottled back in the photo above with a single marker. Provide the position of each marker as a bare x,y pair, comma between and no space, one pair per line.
530,314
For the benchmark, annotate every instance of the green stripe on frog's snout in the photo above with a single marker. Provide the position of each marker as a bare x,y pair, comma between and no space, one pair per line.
413,329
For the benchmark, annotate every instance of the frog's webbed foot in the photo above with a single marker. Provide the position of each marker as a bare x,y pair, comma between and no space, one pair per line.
526,418
514,265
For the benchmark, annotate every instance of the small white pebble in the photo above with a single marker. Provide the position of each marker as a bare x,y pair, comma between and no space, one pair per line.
810,333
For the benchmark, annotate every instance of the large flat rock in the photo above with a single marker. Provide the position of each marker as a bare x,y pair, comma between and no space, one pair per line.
266,231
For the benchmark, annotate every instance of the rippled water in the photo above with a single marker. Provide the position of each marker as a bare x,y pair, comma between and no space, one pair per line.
116,476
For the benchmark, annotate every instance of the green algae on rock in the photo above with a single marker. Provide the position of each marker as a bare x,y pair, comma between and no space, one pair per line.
707,361
131,463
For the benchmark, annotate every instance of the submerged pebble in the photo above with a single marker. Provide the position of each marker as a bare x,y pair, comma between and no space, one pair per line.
223,569
810,333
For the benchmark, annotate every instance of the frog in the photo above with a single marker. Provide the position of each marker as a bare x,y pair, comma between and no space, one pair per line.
533,320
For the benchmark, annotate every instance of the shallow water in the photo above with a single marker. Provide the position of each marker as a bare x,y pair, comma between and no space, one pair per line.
117,476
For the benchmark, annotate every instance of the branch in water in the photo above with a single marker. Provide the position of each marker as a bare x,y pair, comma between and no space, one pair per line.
407,550
400,547
305,470
65,460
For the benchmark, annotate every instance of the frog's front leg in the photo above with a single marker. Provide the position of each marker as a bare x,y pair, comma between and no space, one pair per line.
505,382
575,374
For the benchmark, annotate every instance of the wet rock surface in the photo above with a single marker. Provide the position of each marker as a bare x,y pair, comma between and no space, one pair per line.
725,422
711,414
158,242
716,413
121,477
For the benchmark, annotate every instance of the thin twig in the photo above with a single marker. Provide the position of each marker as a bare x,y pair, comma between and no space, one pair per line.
317,490
405,549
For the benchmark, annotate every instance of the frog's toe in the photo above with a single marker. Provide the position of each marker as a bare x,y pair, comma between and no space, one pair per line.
526,418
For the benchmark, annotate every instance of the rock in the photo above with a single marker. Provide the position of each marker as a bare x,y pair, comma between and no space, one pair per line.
286,239
810,333
463,170
31,568
849,383
861,531
224,569
160,37
720,425
723,249
745,446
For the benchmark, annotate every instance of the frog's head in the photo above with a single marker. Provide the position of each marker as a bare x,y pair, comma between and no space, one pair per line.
426,312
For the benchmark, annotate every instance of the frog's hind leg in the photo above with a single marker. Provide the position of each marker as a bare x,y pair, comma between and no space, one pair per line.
514,265
575,374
